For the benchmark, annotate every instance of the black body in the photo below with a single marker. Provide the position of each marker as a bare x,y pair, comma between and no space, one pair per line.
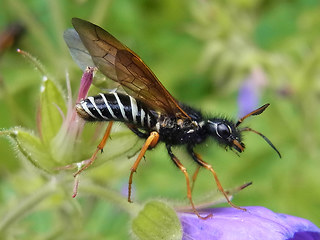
172,130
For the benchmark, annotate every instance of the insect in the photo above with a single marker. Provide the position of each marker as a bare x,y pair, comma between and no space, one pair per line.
148,109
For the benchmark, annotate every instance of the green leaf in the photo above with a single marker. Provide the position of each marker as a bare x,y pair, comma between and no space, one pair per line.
52,106
31,148
157,221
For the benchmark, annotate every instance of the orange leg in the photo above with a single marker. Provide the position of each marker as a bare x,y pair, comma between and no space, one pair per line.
202,163
189,191
99,148
151,142
194,177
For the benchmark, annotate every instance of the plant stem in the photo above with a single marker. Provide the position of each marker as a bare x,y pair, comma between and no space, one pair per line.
26,205
112,196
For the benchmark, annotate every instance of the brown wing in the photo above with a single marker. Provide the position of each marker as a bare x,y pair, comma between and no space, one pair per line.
122,65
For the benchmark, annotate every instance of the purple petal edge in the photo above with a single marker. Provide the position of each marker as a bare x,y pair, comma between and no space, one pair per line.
253,224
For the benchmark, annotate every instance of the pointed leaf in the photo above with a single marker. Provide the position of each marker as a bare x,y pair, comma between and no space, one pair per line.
30,148
157,221
52,110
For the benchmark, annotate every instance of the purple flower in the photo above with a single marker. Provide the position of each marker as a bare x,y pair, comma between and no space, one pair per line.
253,224
85,84
249,92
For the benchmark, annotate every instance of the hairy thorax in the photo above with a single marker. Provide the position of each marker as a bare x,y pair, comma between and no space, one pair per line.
177,131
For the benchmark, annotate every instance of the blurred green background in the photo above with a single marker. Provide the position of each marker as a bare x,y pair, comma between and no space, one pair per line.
203,52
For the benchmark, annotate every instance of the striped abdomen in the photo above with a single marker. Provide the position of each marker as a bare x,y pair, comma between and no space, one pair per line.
116,107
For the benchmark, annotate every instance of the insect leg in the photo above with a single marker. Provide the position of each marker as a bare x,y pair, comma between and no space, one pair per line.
194,177
136,131
99,148
151,141
184,171
202,163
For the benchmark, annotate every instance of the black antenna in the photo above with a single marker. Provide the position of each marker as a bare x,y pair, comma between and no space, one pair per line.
263,136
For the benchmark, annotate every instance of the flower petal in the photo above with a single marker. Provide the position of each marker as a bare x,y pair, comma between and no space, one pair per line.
255,223
85,84
250,91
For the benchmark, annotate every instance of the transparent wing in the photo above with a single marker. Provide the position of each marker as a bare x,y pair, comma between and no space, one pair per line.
82,57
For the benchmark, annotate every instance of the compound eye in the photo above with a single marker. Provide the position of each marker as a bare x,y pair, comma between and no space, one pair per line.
223,130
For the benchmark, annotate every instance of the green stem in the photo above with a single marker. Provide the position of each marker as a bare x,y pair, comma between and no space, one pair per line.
112,196
26,205
100,11
35,28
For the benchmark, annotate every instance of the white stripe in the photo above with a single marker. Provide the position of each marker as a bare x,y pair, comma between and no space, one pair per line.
86,109
158,126
121,106
91,99
148,117
108,107
142,116
134,109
